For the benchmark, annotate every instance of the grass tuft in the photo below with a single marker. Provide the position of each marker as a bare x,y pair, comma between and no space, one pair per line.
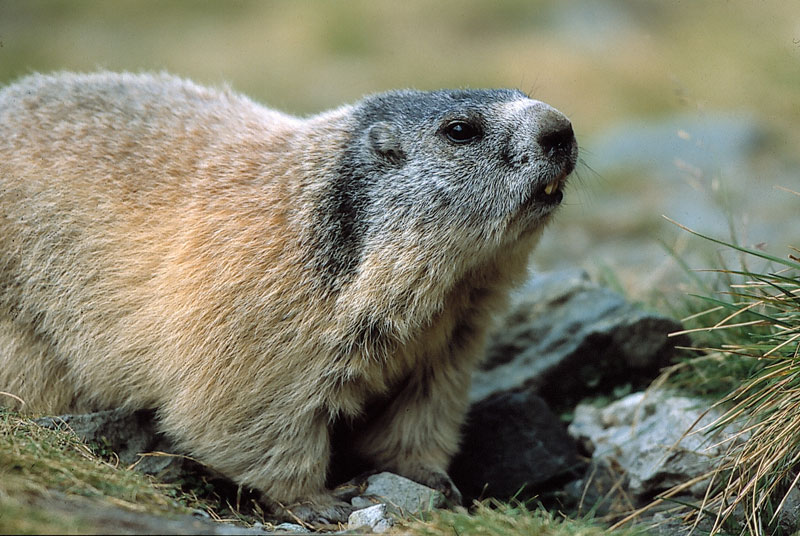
494,518
752,340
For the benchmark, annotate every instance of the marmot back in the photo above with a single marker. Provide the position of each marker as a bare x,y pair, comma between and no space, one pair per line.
256,277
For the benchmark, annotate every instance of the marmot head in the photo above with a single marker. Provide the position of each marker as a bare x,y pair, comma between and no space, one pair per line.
472,167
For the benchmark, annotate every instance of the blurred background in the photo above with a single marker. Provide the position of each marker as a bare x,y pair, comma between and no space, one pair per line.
683,109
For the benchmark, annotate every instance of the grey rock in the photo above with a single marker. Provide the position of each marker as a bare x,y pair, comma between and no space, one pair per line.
600,492
567,338
376,518
401,495
789,516
129,434
96,517
705,142
670,524
231,530
647,436
291,527
644,445
513,441
364,502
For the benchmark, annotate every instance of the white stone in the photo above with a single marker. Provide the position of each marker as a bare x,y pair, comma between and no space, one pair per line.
374,517
655,437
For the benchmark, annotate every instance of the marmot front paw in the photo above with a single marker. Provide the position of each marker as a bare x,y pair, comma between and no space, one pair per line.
320,510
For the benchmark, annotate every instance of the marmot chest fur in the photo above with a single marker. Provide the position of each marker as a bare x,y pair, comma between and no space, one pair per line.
256,277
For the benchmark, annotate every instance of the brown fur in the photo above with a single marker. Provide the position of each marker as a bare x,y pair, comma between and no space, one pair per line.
156,252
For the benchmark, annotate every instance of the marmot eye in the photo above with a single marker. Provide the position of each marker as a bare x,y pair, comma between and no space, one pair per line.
462,132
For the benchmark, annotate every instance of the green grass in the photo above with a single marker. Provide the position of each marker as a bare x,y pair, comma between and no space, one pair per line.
493,518
49,478
37,463
34,459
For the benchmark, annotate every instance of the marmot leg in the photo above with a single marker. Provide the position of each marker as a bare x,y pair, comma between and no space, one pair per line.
419,433
278,450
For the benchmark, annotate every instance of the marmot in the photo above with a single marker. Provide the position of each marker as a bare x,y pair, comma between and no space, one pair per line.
256,277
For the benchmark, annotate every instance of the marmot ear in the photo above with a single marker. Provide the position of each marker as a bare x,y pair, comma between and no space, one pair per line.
384,140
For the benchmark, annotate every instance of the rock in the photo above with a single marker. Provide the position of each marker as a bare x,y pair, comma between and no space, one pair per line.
401,495
645,436
706,142
669,524
291,527
564,339
789,516
230,530
513,441
600,492
567,338
375,517
128,434
100,517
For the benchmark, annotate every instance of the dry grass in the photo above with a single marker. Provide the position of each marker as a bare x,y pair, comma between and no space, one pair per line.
758,474
757,322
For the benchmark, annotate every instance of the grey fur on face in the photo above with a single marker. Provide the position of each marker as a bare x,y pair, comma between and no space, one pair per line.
475,161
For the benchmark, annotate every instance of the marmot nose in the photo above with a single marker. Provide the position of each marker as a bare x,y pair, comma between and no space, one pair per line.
555,134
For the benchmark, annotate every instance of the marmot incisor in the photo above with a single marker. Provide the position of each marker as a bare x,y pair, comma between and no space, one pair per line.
256,277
